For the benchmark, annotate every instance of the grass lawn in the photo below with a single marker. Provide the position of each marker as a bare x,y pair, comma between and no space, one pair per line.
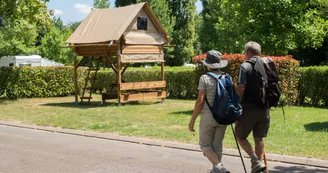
305,132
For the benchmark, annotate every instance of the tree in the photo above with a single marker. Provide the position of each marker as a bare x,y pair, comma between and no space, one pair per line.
198,25
59,23
18,38
51,43
120,3
280,26
52,46
101,3
314,56
22,25
183,12
74,25
208,35
34,11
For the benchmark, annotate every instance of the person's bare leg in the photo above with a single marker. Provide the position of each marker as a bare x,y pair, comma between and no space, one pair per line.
259,147
244,143
212,157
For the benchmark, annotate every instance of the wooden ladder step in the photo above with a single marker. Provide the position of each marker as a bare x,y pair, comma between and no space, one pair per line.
95,60
88,88
86,98
91,78
96,69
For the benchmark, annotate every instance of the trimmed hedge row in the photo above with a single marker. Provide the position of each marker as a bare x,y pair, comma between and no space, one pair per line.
28,82
314,85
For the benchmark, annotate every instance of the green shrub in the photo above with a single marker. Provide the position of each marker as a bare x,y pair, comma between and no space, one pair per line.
28,82
4,79
288,69
181,82
314,85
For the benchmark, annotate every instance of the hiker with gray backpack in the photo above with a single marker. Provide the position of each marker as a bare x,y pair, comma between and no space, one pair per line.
219,106
258,91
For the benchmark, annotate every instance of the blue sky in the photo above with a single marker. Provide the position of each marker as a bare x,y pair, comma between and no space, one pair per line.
77,10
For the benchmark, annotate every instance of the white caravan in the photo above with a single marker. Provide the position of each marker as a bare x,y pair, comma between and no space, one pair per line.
33,60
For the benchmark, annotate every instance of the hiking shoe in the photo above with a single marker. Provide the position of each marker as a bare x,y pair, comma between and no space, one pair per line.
220,170
258,166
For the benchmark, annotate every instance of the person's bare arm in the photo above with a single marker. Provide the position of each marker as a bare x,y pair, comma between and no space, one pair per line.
241,91
197,108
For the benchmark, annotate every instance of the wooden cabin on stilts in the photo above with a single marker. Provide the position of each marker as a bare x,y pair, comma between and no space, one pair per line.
132,34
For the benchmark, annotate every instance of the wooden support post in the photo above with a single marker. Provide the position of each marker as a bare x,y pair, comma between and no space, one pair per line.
107,59
78,65
75,77
119,75
126,66
119,79
163,79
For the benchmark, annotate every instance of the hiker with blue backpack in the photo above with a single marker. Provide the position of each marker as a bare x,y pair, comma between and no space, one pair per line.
211,88
258,90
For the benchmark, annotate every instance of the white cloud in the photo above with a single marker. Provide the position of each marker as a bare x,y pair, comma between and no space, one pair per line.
83,8
58,12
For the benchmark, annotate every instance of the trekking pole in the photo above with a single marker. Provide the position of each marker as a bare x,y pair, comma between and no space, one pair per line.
283,111
241,157
265,162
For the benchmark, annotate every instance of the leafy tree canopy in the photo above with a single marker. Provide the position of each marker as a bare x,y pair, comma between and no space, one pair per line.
22,24
279,25
120,3
101,3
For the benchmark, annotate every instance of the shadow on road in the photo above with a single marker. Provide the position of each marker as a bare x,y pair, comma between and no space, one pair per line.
298,169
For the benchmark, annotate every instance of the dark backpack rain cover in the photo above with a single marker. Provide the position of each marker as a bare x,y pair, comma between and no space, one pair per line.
267,83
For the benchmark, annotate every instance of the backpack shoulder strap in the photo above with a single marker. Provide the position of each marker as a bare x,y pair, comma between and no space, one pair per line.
258,66
252,62
227,80
213,75
219,82
219,77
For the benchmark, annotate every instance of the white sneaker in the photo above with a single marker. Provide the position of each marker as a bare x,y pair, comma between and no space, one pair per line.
258,166
220,170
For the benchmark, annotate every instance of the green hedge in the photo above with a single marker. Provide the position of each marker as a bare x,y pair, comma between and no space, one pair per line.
314,85
28,82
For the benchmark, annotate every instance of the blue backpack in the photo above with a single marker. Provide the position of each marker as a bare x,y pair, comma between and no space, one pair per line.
226,108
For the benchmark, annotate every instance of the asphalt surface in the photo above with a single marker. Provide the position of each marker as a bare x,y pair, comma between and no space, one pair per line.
34,151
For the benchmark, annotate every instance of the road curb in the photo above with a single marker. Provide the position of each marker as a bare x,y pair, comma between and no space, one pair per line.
169,144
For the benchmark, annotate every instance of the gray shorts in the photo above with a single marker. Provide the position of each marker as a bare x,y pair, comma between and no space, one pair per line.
256,120
211,134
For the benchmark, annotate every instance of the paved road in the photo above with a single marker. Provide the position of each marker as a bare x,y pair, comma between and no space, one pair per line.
33,151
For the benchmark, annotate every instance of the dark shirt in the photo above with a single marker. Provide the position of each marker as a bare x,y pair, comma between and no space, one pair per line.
244,76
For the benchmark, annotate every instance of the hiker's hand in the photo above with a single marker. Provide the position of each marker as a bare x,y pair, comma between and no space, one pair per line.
191,126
